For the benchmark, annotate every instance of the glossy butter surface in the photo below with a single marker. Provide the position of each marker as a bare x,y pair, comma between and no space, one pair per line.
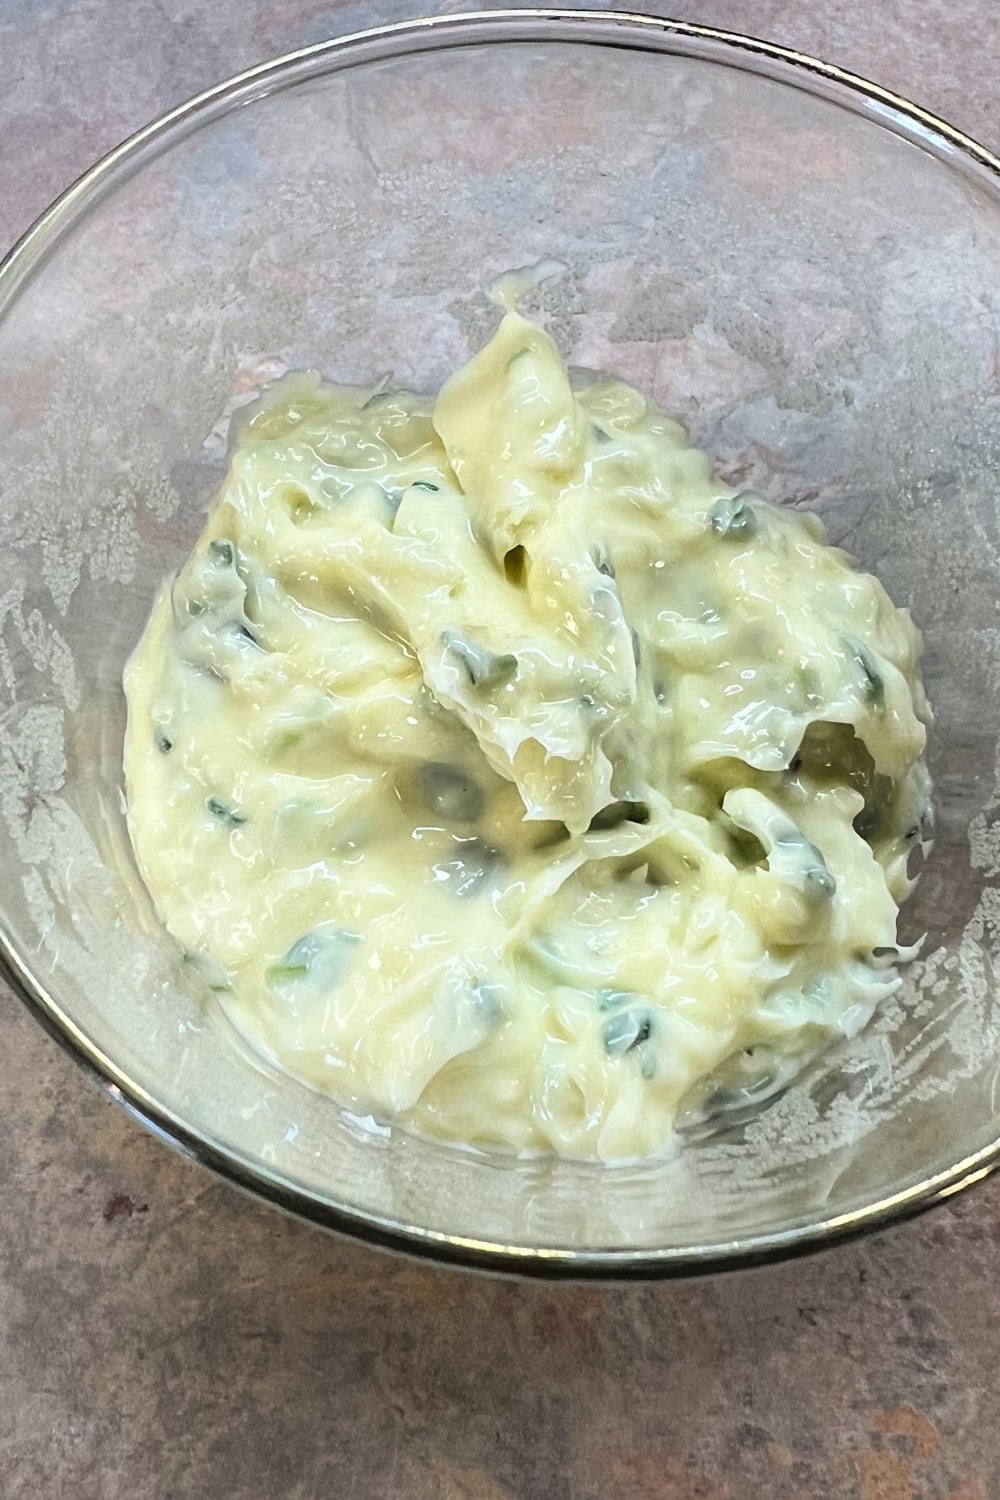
510,776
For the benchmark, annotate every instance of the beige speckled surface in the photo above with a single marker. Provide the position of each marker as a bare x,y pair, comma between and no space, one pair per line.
162,1337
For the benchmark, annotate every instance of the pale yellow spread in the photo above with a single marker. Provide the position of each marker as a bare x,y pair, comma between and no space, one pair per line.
508,775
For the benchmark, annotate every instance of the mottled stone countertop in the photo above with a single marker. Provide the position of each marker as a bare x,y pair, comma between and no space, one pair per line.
161,1336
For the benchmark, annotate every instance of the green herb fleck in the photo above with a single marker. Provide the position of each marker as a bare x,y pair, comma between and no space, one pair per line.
818,881
872,681
485,669
287,740
213,973
472,869
281,971
162,740
425,484
733,518
625,1032
319,957
451,793
230,816
488,1001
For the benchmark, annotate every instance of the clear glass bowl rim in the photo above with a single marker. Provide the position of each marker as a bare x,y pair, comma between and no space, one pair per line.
622,30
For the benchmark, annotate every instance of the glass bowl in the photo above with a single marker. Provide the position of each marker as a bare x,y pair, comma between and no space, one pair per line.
802,267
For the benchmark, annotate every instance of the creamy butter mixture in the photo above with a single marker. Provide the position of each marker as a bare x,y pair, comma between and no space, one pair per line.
510,776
